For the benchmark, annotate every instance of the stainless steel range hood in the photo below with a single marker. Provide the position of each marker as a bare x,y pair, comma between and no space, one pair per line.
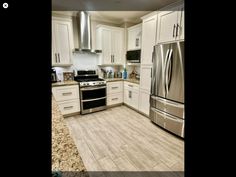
85,40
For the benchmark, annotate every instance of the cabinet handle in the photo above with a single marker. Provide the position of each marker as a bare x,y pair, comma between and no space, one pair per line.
174,31
130,94
67,93
59,57
68,107
177,27
137,42
111,58
114,87
151,72
130,85
56,57
114,99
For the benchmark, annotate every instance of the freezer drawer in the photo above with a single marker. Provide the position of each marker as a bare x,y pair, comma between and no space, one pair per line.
175,125
170,107
157,117
167,121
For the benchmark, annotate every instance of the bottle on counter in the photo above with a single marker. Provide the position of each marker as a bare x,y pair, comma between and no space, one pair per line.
124,74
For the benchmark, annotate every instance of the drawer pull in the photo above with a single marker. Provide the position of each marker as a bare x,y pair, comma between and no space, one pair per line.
114,99
68,107
67,93
114,87
130,85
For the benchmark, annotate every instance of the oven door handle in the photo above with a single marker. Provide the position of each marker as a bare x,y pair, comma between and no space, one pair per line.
92,88
94,99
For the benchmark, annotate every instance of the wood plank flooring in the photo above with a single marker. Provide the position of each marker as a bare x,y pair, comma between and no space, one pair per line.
120,139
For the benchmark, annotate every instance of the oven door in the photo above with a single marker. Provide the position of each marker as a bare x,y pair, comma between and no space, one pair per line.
93,99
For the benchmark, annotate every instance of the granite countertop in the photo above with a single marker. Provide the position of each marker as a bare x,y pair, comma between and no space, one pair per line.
120,79
64,83
65,155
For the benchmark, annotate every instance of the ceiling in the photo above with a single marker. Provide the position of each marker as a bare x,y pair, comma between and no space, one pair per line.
103,5
116,17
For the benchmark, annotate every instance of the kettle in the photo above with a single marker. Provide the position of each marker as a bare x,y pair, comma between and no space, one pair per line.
53,76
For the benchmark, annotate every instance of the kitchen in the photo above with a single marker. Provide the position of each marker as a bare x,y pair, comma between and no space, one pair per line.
118,90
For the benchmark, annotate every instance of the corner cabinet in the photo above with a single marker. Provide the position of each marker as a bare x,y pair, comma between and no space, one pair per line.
131,94
111,41
62,41
171,25
134,37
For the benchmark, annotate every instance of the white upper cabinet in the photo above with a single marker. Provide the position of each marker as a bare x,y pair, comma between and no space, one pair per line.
62,42
134,37
111,41
171,25
148,38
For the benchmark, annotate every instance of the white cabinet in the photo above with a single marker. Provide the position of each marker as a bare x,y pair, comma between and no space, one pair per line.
145,77
171,25
144,104
134,37
111,41
148,38
131,94
67,98
114,93
145,88
62,41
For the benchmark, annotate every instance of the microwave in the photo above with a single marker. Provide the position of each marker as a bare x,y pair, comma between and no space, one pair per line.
133,56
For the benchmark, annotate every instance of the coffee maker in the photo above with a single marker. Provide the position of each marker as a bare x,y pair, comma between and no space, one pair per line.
53,76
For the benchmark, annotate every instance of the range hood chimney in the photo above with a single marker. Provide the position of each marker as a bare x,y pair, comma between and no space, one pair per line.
85,40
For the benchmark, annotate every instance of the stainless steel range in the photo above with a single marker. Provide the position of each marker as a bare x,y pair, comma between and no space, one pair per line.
92,91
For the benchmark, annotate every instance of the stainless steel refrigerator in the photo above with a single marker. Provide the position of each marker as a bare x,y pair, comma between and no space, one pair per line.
167,89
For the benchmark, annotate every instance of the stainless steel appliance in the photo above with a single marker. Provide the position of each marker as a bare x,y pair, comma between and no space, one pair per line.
133,56
92,91
167,89
53,76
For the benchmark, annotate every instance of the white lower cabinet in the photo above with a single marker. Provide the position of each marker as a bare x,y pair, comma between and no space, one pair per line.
131,94
67,98
144,104
114,93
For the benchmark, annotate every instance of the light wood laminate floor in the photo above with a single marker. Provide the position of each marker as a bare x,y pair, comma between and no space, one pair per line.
120,139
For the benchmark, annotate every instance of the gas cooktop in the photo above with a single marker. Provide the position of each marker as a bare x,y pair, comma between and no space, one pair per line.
88,78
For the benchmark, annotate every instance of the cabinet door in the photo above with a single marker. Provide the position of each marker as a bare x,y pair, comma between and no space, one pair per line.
134,98
145,77
106,46
144,104
181,23
117,46
126,96
167,26
54,51
134,38
148,39
63,42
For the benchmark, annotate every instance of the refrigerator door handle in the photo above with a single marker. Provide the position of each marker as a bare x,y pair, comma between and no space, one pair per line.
164,71
164,101
169,71
181,60
153,70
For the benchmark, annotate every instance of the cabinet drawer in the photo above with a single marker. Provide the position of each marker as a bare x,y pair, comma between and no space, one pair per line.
115,98
114,87
65,93
69,107
132,86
